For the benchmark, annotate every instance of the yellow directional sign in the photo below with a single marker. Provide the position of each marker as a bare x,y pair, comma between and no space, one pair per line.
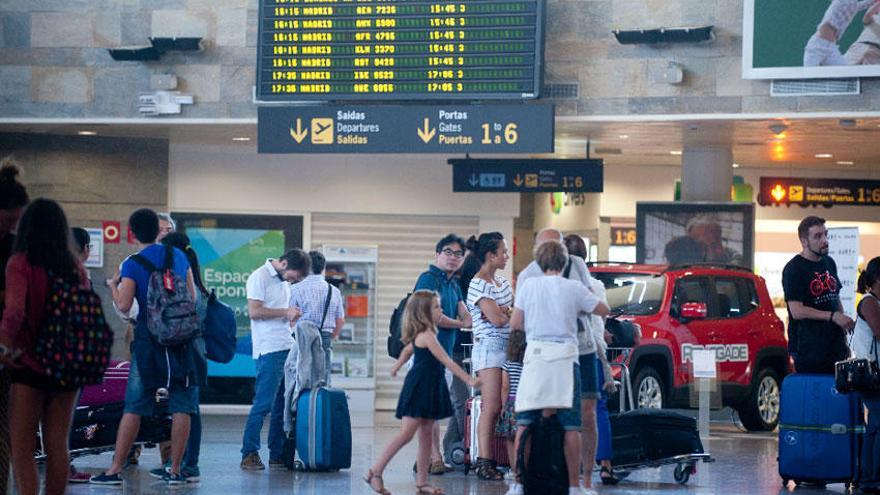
427,134
518,181
795,193
531,180
322,130
299,134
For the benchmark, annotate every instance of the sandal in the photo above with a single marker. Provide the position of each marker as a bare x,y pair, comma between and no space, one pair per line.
610,479
486,470
430,490
368,479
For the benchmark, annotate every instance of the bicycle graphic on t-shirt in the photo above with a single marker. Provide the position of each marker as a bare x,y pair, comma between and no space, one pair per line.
824,282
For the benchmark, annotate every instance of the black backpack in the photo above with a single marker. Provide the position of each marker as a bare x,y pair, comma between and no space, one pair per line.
546,472
395,328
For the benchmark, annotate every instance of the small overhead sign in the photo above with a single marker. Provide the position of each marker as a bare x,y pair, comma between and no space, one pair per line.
510,175
794,190
406,129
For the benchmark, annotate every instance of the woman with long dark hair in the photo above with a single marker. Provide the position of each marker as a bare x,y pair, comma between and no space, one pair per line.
490,301
13,199
43,245
190,466
864,345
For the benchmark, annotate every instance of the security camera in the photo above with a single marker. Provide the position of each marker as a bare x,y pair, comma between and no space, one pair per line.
778,129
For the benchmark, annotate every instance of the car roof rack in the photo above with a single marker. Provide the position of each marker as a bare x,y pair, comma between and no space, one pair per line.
709,264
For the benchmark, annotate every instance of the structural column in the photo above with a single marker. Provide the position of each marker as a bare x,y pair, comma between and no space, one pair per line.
706,174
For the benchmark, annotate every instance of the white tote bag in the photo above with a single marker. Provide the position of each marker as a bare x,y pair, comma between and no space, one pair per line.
547,380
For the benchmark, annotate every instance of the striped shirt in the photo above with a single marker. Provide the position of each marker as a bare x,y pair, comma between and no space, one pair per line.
310,294
514,370
499,292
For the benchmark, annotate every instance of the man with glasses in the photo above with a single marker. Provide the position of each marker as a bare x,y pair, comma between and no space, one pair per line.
440,277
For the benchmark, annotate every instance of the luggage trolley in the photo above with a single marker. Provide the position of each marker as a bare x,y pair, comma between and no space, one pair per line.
685,465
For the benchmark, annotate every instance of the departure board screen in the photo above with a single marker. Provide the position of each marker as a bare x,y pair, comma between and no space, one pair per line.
333,50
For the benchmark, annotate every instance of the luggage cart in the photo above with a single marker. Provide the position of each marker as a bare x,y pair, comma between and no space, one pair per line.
685,465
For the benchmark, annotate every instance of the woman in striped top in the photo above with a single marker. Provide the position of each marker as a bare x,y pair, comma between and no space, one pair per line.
490,302
510,373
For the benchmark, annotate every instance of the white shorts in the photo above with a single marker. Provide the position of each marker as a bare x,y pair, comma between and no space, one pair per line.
489,352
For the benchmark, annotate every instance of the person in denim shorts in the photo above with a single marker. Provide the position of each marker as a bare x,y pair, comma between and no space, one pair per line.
489,301
547,308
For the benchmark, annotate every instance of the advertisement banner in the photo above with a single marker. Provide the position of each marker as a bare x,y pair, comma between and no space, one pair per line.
801,39
227,257
843,248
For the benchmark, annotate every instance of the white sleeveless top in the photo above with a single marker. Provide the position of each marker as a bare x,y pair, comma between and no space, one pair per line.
862,337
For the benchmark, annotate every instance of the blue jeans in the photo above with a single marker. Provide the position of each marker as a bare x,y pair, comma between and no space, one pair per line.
194,442
604,451
326,341
268,398
871,448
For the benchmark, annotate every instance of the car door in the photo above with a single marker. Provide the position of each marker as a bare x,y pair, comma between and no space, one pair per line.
731,323
696,333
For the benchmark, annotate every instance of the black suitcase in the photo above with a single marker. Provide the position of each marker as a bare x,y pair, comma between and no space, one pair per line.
94,428
647,435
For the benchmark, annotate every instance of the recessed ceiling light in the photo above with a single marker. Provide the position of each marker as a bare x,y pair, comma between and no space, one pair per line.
241,138
624,136
87,133
675,152
736,165
845,162
824,155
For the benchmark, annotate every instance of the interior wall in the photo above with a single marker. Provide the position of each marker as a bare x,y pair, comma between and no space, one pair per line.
96,179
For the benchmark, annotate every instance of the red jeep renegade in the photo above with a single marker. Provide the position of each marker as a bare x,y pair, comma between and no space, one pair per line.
681,308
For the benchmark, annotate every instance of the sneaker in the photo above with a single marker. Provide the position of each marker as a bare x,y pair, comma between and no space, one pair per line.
106,479
78,476
252,462
276,464
192,473
174,479
160,472
517,489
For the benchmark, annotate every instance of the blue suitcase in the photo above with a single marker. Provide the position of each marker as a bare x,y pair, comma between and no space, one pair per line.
819,431
323,429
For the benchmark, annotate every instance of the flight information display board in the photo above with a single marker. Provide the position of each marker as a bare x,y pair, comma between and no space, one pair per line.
333,50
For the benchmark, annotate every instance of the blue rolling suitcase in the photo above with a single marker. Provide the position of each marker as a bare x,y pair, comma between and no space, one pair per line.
323,429
819,431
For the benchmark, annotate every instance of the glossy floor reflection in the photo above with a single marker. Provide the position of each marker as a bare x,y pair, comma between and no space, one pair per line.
745,464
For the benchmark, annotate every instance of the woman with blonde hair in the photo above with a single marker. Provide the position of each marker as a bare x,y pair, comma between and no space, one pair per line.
424,398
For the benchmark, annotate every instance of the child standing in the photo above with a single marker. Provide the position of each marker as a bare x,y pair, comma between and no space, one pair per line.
425,396
510,373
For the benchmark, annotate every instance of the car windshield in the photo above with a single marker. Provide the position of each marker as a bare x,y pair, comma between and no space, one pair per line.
633,293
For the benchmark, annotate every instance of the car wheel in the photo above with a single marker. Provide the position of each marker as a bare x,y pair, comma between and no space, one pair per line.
760,412
649,390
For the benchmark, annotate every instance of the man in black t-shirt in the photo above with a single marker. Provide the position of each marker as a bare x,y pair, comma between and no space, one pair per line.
817,325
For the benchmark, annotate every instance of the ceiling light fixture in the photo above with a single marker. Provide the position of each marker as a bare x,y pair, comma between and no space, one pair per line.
845,162
736,165
87,133
824,155
624,136
241,138
778,128
675,152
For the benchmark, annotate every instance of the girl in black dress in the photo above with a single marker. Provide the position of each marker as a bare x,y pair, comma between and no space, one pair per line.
424,397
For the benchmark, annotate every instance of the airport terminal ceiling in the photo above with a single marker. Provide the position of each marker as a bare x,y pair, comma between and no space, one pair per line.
759,142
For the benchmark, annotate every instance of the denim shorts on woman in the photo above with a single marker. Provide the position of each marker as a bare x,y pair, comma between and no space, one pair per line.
569,418
589,378
489,352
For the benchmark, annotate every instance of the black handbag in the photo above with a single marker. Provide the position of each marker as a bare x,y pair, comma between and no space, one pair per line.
858,374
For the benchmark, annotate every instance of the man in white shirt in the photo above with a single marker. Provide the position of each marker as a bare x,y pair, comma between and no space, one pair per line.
268,294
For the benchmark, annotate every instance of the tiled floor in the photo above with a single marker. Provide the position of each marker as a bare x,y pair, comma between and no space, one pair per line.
746,464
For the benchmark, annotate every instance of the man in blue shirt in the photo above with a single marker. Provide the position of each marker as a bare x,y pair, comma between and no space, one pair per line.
126,286
440,277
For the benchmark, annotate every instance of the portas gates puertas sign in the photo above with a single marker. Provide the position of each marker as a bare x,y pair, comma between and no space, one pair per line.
512,175
406,129
827,192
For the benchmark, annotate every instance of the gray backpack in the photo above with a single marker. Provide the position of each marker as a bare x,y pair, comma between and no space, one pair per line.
171,314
